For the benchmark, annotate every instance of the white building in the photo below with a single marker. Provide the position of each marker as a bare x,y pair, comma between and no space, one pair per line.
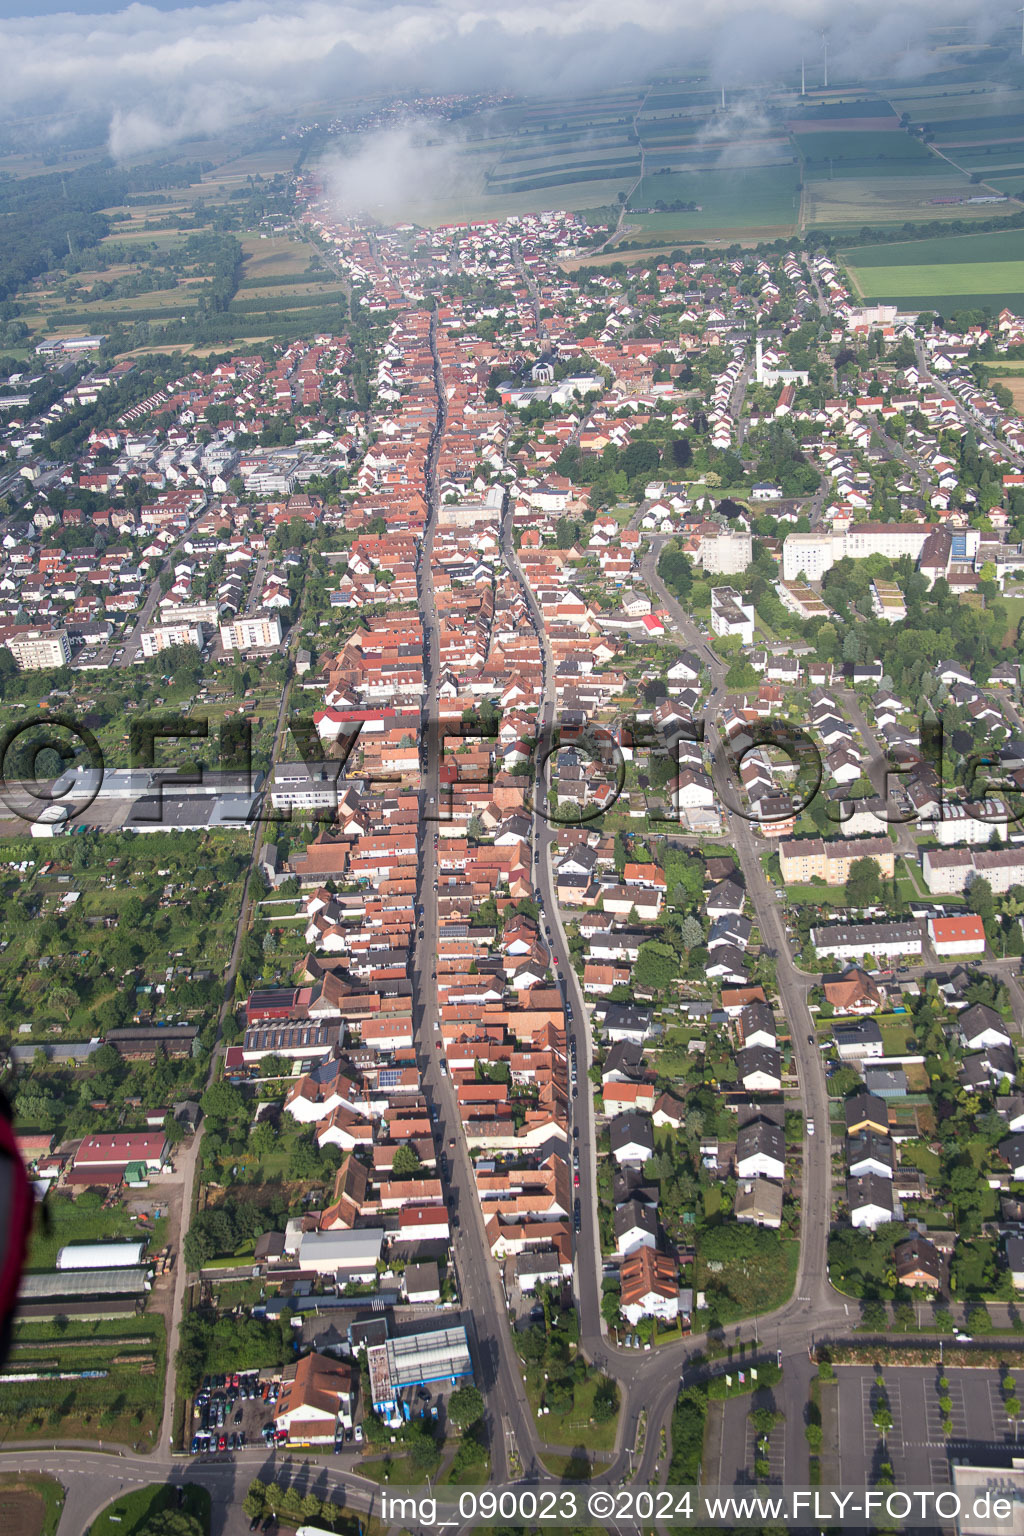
726,552
39,649
261,632
162,636
730,615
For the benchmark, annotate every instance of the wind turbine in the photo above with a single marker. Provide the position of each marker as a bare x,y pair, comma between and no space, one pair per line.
803,76
824,44
1021,15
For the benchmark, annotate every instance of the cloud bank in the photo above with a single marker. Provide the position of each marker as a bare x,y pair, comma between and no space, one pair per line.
160,76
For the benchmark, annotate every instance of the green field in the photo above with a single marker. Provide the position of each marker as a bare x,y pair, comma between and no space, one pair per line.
728,199
999,246
946,271
869,149
967,280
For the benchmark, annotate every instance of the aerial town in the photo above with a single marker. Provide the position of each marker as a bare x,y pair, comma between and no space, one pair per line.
514,885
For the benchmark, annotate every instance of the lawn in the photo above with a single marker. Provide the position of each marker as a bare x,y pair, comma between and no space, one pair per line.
1014,605
130,1511
31,1502
815,895
573,1468
577,1424
62,1220
920,1156
895,1038
393,1469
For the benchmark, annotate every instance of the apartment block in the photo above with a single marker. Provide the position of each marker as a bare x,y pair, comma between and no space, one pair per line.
730,615
724,552
162,636
40,648
260,632
814,858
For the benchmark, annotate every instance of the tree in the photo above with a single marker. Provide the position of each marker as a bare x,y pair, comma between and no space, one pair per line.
170,1522
873,1316
275,1066
255,1502
881,1418
691,933
465,1407
610,1308
980,900
406,1163
606,1400
764,1421
864,886
222,1101
656,968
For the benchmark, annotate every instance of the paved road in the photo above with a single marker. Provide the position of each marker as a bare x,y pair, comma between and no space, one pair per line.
132,645
92,1479
499,1373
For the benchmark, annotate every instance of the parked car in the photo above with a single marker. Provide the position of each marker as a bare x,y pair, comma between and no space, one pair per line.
357,1434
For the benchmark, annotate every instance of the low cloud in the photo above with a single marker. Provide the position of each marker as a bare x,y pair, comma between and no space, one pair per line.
159,77
415,166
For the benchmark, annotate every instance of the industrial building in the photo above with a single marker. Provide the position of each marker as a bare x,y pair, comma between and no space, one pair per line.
77,1256
98,1292
412,1361
351,1255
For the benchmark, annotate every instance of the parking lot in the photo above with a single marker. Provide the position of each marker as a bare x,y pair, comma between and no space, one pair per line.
919,1451
231,1412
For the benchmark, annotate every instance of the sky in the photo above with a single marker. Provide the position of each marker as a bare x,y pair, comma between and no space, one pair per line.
160,71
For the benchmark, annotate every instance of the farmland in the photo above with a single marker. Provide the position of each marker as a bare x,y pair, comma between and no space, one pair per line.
121,1405
885,200
966,279
955,250
953,271
730,200
854,152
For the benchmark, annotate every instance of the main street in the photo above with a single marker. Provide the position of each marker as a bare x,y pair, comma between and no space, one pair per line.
499,1374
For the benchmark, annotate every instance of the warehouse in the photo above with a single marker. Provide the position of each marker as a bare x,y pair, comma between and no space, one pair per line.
350,1255
103,1158
100,1255
94,1292
415,1360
